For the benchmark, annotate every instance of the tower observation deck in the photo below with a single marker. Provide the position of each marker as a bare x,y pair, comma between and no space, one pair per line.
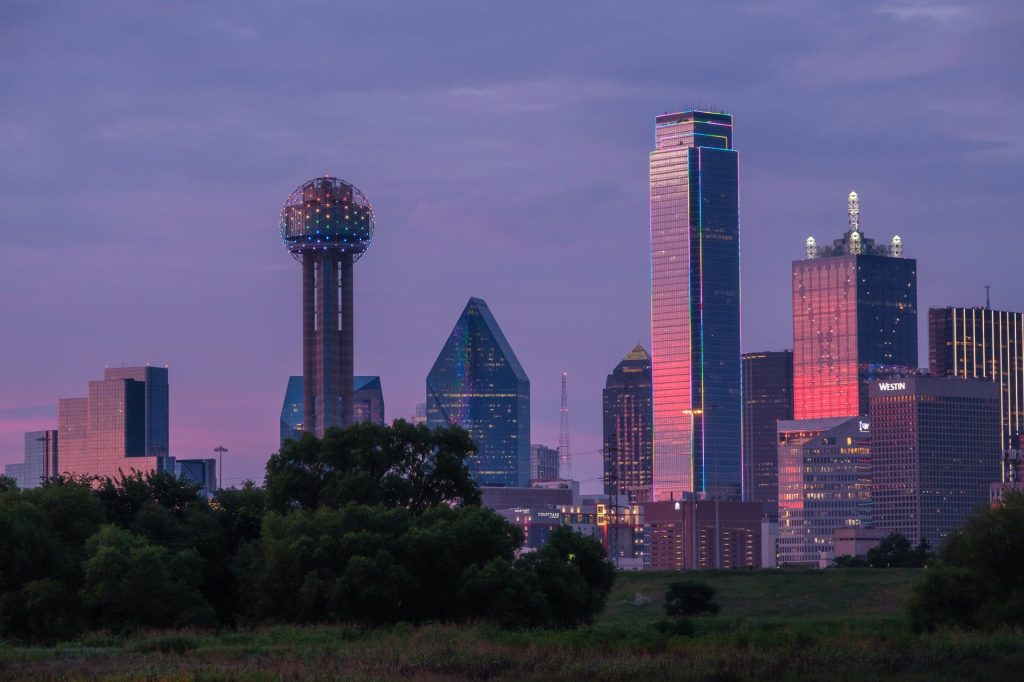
327,224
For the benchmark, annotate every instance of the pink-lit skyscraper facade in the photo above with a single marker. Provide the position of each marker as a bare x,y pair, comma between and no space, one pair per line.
854,320
122,426
695,307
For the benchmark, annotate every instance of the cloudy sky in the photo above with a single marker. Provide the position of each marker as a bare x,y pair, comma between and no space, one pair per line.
146,148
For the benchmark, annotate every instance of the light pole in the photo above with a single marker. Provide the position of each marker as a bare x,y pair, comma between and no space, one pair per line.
220,450
694,413
48,458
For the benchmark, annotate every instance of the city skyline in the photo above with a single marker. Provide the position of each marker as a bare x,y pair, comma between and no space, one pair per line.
497,189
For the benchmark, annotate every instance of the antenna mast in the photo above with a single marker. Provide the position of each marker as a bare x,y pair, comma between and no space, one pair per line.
988,297
564,453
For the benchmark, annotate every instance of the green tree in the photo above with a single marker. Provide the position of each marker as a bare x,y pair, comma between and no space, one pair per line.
503,594
131,583
893,552
574,574
396,466
30,548
982,581
124,496
42,612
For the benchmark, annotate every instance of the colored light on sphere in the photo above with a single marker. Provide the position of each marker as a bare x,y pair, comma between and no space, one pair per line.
327,214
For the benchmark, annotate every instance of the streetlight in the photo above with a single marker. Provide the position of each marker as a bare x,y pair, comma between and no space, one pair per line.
220,450
50,462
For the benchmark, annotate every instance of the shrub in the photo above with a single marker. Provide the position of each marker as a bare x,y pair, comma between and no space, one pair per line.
690,598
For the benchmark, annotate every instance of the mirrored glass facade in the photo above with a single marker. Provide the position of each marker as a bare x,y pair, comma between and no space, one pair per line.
367,395
854,320
695,307
478,384
40,460
628,428
121,426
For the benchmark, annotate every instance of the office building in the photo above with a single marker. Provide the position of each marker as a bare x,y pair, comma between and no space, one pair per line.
824,484
543,463
695,307
854,320
367,397
628,422
122,425
981,343
687,534
420,414
935,452
327,224
478,384
40,460
767,399
202,472
551,494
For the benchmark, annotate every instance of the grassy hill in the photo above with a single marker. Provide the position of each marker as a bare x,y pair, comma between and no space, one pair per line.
771,594
778,625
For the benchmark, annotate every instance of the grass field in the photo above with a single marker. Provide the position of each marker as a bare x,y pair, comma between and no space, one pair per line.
778,625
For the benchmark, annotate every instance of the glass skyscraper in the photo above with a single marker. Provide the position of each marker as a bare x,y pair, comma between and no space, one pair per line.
984,344
40,460
121,426
478,384
367,395
695,306
628,421
854,319
767,398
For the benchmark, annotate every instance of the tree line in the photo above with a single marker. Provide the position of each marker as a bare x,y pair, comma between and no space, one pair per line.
370,524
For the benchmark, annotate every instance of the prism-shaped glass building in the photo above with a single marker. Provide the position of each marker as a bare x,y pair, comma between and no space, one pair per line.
478,384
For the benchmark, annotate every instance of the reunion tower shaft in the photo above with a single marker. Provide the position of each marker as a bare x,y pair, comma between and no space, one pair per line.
327,224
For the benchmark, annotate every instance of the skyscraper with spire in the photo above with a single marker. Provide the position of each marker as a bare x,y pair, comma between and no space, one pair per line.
854,319
695,306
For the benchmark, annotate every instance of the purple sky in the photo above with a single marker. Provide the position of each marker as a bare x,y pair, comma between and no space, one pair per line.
145,151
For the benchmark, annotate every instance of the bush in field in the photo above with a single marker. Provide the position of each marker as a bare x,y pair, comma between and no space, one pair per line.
690,598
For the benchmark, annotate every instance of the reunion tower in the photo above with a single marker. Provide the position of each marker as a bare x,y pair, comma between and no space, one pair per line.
327,224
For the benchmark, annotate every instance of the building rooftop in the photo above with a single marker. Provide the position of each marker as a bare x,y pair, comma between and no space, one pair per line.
853,242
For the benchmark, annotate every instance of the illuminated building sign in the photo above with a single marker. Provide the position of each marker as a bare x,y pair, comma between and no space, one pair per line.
892,386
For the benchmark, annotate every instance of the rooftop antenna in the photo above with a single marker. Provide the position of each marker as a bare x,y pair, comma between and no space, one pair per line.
988,297
853,211
564,454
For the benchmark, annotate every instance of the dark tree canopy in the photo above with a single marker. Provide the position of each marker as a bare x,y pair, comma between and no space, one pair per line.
981,580
370,524
403,465
895,551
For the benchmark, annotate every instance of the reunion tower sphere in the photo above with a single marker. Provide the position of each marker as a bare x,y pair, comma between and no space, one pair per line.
327,214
